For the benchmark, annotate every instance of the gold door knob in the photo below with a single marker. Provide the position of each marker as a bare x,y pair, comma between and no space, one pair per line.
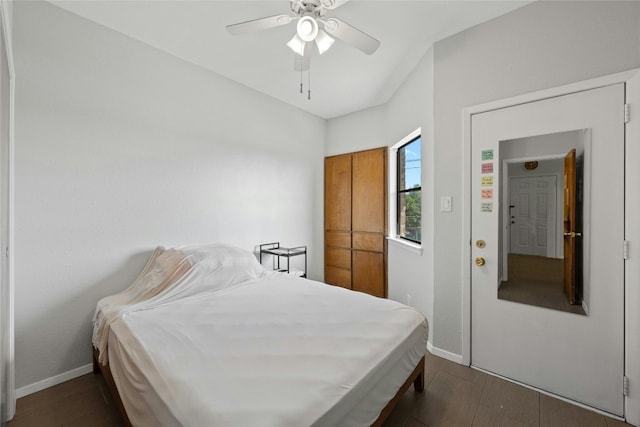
480,261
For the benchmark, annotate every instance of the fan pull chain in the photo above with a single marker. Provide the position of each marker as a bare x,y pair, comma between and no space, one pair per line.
308,79
309,82
301,90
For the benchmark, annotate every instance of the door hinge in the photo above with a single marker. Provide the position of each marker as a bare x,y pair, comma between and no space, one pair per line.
625,249
625,386
626,113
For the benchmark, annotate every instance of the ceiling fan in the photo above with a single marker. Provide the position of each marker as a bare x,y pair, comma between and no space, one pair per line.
313,32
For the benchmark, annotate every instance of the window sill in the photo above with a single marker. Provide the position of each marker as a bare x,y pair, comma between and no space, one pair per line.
405,244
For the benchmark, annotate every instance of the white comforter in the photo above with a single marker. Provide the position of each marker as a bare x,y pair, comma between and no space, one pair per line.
170,275
278,351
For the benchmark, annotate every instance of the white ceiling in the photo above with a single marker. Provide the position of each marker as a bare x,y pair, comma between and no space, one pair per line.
343,80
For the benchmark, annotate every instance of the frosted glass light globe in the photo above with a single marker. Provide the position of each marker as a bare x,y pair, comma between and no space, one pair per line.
307,28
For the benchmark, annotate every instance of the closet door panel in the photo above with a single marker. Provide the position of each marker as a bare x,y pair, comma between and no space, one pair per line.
369,273
369,185
338,257
368,241
340,239
337,193
337,276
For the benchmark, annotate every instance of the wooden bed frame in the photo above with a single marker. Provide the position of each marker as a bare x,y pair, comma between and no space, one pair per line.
416,377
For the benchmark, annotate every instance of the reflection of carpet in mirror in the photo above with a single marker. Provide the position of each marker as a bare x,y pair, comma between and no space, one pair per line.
536,280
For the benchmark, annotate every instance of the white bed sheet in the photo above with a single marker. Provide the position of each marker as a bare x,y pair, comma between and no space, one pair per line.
276,351
171,275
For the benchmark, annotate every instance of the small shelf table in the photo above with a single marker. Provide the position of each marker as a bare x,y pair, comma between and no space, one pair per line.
281,252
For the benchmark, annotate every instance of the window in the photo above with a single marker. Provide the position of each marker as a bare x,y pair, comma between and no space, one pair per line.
409,188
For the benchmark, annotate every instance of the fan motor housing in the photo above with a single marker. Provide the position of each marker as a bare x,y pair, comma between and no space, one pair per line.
312,7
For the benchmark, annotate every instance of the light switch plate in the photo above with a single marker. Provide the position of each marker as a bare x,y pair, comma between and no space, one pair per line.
445,204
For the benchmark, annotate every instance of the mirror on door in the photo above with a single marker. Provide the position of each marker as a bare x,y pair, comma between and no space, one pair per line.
544,218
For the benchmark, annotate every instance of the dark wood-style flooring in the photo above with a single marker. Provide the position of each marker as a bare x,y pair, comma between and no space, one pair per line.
537,280
454,395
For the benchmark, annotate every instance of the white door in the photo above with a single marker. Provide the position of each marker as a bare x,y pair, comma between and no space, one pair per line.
575,356
533,215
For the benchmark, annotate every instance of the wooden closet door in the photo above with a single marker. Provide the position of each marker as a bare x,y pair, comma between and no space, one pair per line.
369,191
355,221
369,212
337,220
337,193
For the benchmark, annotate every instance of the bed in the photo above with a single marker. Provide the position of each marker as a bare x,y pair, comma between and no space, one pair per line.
206,336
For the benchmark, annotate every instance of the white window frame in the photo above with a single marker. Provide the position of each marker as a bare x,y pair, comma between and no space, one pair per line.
393,193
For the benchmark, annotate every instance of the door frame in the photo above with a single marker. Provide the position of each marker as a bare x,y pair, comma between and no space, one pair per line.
632,210
7,355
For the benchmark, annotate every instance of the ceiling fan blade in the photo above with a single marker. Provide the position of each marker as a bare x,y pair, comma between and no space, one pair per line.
259,24
301,63
347,33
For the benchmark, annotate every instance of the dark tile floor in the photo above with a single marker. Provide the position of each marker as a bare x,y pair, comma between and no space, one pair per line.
457,395
454,395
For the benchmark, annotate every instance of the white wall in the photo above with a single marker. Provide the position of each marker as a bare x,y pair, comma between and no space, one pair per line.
121,147
542,45
409,108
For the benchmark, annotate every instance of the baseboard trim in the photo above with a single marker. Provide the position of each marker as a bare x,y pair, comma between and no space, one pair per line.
444,354
50,382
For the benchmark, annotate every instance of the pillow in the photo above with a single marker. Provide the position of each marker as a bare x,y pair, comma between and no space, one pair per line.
231,264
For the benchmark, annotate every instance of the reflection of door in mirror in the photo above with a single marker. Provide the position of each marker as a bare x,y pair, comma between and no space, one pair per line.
569,226
533,215
540,260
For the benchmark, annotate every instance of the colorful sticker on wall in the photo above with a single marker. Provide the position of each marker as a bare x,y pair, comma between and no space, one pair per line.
487,168
486,207
487,181
486,194
487,154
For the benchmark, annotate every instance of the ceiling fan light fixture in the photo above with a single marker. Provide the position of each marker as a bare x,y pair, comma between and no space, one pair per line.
324,41
307,28
297,45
